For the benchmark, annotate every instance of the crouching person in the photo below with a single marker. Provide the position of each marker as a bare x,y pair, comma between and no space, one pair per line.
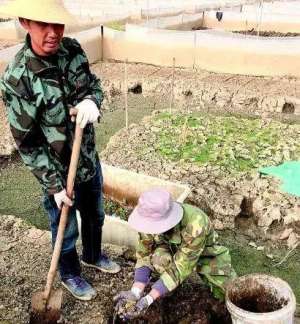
174,240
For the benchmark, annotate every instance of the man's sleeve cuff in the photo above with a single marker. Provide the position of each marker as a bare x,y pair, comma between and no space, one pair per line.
94,99
142,274
160,287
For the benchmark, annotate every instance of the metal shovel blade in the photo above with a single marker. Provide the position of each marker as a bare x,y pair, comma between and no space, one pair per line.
42,314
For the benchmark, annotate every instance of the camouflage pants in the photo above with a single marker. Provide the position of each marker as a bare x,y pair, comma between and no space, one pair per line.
214,265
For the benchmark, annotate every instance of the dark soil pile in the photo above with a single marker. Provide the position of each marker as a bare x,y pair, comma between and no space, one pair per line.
253,32
200,28
4,160
191,303
258,300
114,208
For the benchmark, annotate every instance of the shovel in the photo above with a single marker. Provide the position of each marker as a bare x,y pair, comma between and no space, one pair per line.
46,305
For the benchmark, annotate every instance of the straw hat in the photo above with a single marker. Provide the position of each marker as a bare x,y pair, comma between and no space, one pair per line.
49,11
155,213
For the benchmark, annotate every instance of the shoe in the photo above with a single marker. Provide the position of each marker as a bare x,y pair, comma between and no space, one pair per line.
104,264
79,288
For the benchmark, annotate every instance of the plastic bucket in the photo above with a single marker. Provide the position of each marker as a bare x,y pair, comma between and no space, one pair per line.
260,298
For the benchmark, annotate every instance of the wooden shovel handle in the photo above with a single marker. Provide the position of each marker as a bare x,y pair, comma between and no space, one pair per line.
64,213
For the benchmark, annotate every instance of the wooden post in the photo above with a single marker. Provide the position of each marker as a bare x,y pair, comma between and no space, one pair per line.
126,92
147,12
172,86
195,45
203,17
260,17
102,43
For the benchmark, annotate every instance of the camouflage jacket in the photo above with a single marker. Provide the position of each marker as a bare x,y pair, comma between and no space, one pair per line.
38,93
175,254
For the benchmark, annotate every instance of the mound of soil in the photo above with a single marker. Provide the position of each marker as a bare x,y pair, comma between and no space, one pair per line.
191,303
253,32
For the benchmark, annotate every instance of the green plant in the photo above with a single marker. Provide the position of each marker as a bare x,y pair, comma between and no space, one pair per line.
117,25
235,144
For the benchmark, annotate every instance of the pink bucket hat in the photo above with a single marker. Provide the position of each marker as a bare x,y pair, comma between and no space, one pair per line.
155,213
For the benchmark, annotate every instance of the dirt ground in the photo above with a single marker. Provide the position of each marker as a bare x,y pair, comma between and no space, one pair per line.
192,88
113,73
25,255
25,252
7,43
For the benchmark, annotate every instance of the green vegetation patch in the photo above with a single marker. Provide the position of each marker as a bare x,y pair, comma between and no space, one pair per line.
246,260
117,25
234,144
21,195
113,208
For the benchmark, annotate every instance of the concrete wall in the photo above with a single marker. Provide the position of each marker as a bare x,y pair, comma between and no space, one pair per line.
214,51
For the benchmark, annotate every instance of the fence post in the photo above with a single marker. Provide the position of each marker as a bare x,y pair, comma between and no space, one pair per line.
195,44
147,12
102,42
126,92
261,4
172,86
203,17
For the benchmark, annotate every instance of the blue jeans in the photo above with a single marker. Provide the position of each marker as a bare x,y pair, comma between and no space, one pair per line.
89,202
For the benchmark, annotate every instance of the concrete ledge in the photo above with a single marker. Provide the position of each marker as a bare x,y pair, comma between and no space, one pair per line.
126,186
90,41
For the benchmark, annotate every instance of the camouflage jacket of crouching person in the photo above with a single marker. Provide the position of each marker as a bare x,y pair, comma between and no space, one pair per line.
190,245
38,93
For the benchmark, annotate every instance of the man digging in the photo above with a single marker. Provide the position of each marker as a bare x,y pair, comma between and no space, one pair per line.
49,77
174,240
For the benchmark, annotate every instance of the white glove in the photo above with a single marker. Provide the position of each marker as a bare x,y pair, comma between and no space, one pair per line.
88,112
61,197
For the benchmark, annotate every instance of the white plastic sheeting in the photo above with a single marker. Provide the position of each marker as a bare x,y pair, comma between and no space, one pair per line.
150,7
174,21
275,16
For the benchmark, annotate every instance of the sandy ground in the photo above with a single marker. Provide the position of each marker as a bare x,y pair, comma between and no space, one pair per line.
24,259
7,43
114,72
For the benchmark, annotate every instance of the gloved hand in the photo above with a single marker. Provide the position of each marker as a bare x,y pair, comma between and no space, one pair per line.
61,197
139,309
125,297
87,112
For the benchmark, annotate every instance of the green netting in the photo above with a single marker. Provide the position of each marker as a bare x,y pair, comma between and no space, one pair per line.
288,173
